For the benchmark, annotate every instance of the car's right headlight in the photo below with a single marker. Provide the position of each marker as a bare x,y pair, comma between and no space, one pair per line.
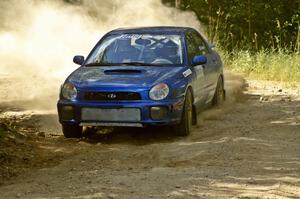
69,91
159,91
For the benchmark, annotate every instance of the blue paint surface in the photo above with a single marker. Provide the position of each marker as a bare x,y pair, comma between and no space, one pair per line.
139,78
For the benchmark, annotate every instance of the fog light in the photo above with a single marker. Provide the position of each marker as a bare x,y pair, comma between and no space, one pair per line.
67,113
158,112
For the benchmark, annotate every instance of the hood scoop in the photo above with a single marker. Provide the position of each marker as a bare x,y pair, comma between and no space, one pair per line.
122,71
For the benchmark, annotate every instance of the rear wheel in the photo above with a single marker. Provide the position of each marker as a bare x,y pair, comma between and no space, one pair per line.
219,96
185,126
72,131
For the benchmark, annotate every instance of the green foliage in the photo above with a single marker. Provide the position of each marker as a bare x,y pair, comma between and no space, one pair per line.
249,24
259,38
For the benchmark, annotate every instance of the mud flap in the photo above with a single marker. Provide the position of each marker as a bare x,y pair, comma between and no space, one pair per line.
195,118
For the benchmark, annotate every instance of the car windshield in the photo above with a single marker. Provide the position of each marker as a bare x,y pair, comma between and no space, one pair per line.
138,49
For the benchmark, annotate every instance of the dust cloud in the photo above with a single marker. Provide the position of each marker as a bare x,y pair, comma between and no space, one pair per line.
235,85
38,40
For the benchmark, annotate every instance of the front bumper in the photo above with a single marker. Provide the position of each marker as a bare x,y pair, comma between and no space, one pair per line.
70,112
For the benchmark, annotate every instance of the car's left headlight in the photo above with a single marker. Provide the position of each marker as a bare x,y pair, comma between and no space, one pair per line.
69,91
159,91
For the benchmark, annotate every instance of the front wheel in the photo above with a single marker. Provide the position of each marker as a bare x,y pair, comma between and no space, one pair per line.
185,126
72,131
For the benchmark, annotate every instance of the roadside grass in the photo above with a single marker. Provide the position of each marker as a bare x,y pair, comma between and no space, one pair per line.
7,126
265,65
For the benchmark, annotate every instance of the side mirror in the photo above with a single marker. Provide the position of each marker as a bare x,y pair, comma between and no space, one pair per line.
78,59
199,60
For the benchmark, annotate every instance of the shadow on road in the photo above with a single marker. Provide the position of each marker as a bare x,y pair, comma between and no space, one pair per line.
136,136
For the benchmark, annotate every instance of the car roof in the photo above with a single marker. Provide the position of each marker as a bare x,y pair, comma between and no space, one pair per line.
154,29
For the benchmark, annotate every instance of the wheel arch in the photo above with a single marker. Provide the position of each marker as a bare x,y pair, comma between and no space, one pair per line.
222,77
223,82
189,88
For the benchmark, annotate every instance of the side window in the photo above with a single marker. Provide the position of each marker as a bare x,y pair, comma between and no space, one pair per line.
202,48
192,47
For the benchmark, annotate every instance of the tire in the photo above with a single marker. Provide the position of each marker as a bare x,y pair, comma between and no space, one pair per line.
185,126
72,131
219,96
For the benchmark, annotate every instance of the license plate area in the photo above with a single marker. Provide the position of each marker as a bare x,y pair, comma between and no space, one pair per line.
112,115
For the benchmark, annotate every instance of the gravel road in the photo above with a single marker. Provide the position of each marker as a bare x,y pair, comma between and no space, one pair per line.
247,149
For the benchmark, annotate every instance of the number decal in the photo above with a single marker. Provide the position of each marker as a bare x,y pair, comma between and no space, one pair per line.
187,73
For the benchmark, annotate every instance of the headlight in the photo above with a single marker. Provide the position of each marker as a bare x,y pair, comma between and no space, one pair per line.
69,91
159,92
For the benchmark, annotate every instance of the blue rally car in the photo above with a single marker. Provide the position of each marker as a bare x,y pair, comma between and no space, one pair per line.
142,76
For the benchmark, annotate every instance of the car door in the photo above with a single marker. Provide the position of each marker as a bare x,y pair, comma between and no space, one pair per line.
200,94
210,69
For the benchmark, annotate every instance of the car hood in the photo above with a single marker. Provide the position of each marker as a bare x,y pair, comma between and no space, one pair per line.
123,76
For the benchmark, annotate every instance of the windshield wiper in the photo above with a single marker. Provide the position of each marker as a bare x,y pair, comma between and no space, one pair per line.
121,64
136,64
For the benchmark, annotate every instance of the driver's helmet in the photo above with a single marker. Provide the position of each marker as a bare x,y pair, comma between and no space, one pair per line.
124,45
167,50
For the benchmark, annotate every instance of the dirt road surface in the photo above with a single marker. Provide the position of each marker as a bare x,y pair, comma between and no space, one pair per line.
248,149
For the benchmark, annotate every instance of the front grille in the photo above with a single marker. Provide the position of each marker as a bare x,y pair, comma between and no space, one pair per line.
111,96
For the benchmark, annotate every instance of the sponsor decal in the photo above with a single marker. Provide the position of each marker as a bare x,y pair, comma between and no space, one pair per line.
187,73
